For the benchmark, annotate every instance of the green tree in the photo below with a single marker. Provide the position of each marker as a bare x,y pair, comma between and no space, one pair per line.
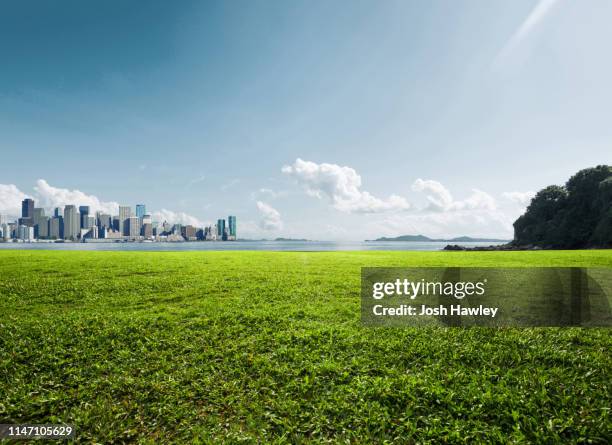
576,215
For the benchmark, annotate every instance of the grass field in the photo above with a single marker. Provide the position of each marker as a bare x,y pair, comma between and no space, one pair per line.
259,347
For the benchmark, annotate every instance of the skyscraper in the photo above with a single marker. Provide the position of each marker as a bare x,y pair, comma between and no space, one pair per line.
56,227
84,211
90,222
71,223
221,229
27,208
42,228
140,210
124,213
232,226
104,220
40,223
133,226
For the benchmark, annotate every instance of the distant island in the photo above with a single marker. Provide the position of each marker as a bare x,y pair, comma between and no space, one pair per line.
459,239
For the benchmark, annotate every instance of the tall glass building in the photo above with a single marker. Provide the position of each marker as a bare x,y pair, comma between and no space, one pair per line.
232,225
71,222
141,210
124,213
84,211
27,208
221,229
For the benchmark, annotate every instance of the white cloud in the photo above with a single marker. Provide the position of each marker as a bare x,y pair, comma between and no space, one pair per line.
343,186
49,197
441,200
521,198
270,217
10,199
176,218
537,14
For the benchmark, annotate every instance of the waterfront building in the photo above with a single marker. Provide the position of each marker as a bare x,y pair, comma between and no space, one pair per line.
6,232
25,233
37,217
147,230
108,233
56,227
232,226
84,212
125,212
27,208
71,222
88,222
91,233
220,229
189,233
141,209
104,220
38,221
27,221
133,227
41,230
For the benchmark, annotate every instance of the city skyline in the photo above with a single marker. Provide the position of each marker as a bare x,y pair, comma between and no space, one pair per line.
319,120
70,224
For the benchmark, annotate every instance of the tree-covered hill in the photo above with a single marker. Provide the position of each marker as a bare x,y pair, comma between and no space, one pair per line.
576,215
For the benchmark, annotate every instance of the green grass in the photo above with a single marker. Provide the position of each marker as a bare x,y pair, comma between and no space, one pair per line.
260,347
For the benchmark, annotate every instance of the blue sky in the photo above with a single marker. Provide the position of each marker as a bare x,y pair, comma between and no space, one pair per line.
326,120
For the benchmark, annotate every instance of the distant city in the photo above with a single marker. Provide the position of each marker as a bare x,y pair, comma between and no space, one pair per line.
79,225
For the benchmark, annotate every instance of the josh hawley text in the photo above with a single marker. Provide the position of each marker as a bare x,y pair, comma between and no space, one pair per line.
453,310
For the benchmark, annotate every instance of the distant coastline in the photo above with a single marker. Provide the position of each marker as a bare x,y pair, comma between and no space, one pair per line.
423,238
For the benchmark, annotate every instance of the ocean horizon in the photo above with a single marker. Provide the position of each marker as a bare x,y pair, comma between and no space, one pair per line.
305,246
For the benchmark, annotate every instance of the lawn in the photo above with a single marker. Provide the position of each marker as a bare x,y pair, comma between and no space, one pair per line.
259,347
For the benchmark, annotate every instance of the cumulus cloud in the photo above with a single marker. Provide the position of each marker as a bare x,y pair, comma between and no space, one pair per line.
342,185
176,218
270,217
441,200
521,198
10,199
49,197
